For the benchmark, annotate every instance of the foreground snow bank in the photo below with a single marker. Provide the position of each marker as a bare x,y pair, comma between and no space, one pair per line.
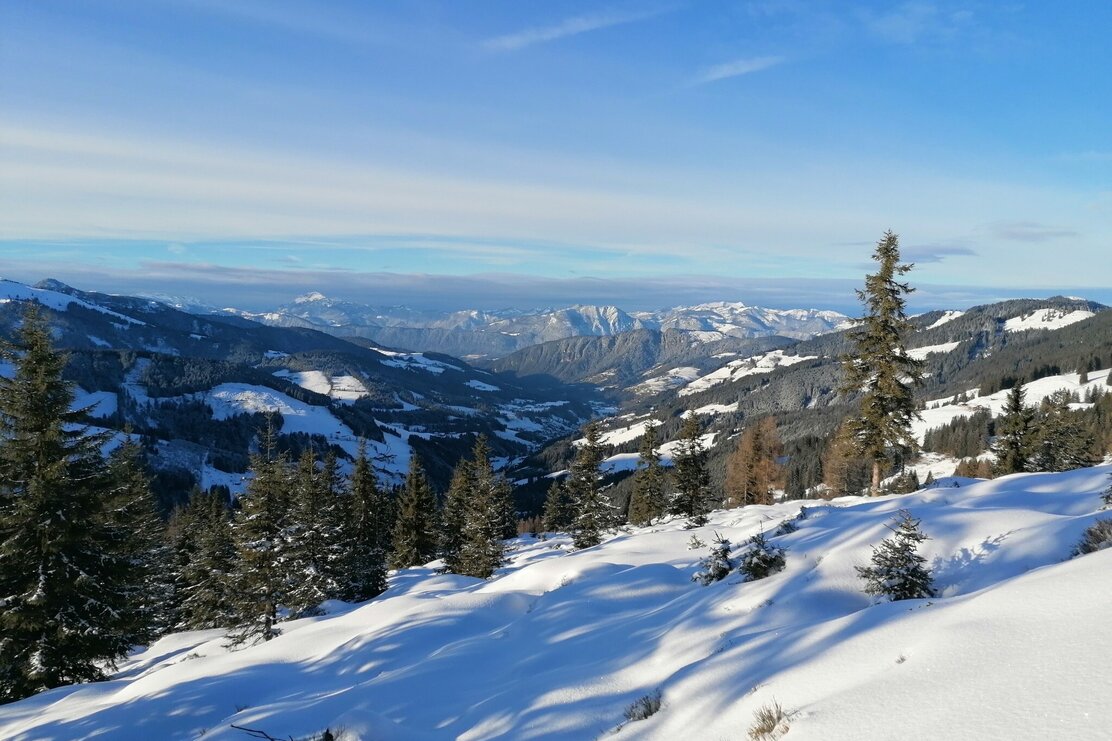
561,643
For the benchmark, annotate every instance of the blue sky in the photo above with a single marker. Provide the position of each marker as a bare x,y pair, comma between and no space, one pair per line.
508,153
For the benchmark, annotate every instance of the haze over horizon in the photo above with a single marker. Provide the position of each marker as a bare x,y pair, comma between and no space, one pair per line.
630,154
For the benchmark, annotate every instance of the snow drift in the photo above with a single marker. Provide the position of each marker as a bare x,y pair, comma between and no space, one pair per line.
560,643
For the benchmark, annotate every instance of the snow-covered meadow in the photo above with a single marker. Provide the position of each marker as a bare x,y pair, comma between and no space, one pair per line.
560,643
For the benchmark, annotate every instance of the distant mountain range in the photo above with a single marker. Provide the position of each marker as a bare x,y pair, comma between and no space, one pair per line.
475,334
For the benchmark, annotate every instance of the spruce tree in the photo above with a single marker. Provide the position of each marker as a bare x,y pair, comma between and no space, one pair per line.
416,527
61,579
752,470
312,537
880,368
1013,434
139,540
897,570
261,577
207,558
594,512
559,508
692,498
649,500
1061,441
364,572
453,517
484,523
717,565
760,559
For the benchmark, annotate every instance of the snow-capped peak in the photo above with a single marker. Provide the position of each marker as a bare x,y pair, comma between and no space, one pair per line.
310,297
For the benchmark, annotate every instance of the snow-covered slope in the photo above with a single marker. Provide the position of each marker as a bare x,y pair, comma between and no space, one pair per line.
726,318
560,642
940,412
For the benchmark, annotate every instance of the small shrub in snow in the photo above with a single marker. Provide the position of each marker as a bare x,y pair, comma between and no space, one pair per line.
643,707
761,558
769,723
717,565
694,543
1097,537
897,570
1106,497
787,527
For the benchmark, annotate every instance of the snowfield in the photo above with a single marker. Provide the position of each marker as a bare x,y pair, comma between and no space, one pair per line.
737,369
941,412
1046,319
559,643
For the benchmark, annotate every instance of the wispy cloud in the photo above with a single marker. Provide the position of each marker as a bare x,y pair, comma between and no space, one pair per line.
736,68
1029,231
911,22
934,253
565,28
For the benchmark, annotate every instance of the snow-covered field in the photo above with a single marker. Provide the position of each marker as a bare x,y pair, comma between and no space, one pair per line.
940,412
738,369
1048,318
559,643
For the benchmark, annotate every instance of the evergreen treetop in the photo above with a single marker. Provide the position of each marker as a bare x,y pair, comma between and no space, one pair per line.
879,367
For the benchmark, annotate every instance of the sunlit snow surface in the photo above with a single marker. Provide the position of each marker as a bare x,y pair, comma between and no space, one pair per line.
560,642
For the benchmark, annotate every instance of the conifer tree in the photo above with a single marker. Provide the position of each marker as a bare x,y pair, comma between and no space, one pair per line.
484,524
138,539
260,577
843,472
761,559
649,500
753,471
60,578
559,508
594,512
897,569
1061,442
312,536
879,366
717,565
453,517
364,555
692,497
1014,433
207,556
416,527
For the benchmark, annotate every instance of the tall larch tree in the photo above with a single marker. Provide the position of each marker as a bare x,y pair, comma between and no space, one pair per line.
879,367
416,526
364,553
692,497
261,577
60,578
594,512
649,500
753,469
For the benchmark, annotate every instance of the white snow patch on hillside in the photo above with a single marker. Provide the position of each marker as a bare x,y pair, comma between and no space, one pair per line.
415,361
737,369
99,403
947,316
940,412
1048,318
560,642
342,388
714,409
671,379
920,353
480,386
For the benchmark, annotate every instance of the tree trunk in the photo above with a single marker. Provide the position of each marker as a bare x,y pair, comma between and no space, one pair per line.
874,490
